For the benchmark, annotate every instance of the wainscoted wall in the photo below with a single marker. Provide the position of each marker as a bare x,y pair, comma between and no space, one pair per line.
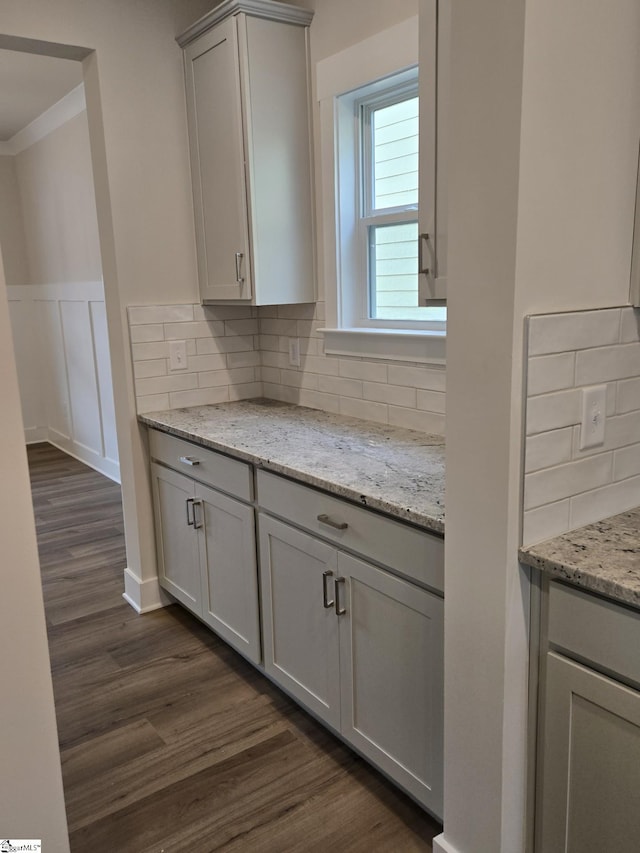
565,487
236,353
62,356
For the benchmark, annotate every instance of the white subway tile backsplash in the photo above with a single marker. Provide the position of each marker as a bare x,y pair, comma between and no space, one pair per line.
628,398
147,333
630,325
213,361
145,352
152,403
563,481
298,379
626,462
200,329
242,327
243,359
607,364
318,400
554,333
145,369
365,409
553,411
545,521
145,314
417,377
548,448
245,391
566,353
602,503
166,384
367,370
199,397
340,386
270,326
431,401
550,373
429,422
397,395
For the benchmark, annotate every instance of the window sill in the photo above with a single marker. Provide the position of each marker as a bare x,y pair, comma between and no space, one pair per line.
425,347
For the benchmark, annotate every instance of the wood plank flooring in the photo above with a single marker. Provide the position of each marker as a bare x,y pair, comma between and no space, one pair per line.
170,741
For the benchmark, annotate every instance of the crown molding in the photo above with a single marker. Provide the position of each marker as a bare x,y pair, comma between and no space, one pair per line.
51,119
270,9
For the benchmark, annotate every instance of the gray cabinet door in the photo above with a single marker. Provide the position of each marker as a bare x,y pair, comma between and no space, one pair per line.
391,665
590,782
301,653
176,537
229,571
217,148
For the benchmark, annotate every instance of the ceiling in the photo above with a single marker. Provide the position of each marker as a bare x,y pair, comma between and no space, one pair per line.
29,85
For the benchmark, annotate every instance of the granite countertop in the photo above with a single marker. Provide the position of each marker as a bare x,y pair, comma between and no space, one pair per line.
603,557
397,471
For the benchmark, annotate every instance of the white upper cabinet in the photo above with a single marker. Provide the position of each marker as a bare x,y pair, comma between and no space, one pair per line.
248,108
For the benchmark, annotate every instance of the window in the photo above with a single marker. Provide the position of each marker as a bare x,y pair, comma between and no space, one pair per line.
379,197
388,155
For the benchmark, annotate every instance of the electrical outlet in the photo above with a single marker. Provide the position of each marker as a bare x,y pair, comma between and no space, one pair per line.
178,355
594,412
294,352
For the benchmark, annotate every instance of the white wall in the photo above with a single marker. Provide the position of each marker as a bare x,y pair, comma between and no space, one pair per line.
58,313
543,156
32,804
11,224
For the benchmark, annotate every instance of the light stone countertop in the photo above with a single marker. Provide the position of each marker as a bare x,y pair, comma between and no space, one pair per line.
396,471
603,557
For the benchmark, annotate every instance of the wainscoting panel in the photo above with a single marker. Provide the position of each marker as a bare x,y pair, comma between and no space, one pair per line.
62,354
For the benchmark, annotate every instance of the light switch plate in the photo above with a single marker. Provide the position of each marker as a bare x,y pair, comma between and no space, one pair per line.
177,355
594,413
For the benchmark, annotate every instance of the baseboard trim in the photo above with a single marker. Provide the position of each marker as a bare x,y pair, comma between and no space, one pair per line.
36,435
143,596
441,845
99,463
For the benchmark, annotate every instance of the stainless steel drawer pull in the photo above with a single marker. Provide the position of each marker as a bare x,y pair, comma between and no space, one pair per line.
340,611
323,518
325,601
189,460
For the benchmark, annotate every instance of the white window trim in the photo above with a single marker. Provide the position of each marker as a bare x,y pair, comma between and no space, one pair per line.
385,54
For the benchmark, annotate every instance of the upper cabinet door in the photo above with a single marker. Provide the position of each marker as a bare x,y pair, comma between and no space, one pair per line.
434,35
218,164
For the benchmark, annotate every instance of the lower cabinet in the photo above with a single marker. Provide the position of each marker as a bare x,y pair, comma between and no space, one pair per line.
588,787
207,556
361,648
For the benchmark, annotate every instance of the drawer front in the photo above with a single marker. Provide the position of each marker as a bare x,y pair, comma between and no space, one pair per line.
207,466
411,552
595,629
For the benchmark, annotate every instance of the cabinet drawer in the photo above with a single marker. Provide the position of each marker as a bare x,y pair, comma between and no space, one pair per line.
596,630
411,552
207,466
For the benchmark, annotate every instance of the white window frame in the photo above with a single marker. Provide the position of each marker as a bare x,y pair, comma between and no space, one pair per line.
339,77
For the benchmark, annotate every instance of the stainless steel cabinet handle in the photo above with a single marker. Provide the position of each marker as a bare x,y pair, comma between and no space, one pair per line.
191,519
239,276
422,239
340,611
323,518
189,460
325,601
196,525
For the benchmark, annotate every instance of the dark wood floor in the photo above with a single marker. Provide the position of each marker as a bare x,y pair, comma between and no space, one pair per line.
169,740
